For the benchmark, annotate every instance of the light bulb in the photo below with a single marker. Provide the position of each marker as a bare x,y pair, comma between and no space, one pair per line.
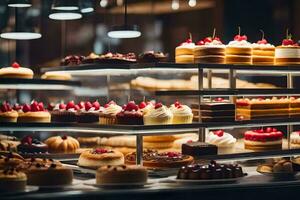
175,4
192,3
103,3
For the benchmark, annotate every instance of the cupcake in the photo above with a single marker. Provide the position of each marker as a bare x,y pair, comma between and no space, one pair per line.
7,114
130,115
108,116
225,141
146,107
64,113
159,115
89,113
182,114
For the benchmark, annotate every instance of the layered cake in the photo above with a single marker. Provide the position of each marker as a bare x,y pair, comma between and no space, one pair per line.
159,115
263,139
7,114
12,180
184,53
153,159
110,111
288,53
210,50
62,144
16,71
294,110
72,60
239,51
89,112
100,157
224,141
210,171
121,174
295,139
196,149
31,145
35,112
130,115
182,114
152,57
259,108
64,113
263,52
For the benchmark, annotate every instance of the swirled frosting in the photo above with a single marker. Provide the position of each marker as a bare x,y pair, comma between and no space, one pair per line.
226,140
112,109
181,110
268,45
161,112
242,43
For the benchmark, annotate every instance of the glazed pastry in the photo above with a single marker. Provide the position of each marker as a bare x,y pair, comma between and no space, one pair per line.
31,146
224,141
64,113
263,139
12,180
7,114
152,57
121,174
34,113
108,116
239,51
184,53
263,52
89,113
56,76
182,114
62,144
100,157
159,115
130,115
72,60
16,71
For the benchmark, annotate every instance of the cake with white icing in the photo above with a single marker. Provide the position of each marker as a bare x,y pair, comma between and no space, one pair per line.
184,53
263,52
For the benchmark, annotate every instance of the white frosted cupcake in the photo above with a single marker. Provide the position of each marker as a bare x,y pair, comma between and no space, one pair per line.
182,114
225,141
159,115
108,115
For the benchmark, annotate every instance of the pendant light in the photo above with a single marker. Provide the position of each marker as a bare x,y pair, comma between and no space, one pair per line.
86,6
65,10
19,3
125,31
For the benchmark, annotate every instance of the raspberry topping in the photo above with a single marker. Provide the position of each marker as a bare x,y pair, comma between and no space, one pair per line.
177,103
5,107
62,106
27,140
219,133
96,105
88,105
158,105
34,106
81,104
142,105
26,108
173,154
263,135
131,106
15,65
70,105
100,151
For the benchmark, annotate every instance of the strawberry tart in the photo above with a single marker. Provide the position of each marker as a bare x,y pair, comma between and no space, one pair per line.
263,52
184,53
239,51
64,113
288,53
130,115
35,112
263,139
89,112
16,71
7,114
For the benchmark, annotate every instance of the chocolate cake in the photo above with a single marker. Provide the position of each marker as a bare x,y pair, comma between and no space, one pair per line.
199,149
30,145
152,57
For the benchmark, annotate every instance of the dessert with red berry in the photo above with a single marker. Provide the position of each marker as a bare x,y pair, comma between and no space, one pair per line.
146,106
255,108
154,159
295,139
65,112
210,50
288,52
109,113
116,58
130,115
62,144
223,140
35,112
239,51
7,113
152,57
182,114
184,53
100,157
30,145
91,58
16,71
263,52
161,114
263,139
89,112
72,60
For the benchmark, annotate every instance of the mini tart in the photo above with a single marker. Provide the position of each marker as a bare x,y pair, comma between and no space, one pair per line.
56,76
62,144
9,162
130,115
100,157
10,116
12,180
108,116
20,72
286,55
40,117
121,174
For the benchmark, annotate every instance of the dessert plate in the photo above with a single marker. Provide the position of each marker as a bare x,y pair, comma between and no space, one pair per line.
58,186
120,185
278,175
27,189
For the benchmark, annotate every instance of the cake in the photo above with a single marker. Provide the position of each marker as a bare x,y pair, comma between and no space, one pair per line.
263,139
89,113
260,108
89,142
295,139
197,149
116,58
294,109
130,115
224,141
210,171
100,157
152,57
11,180
239,51
159,115
281,166
24,166
7,114
182,114
56,76
62,144
263,53
184,53
31,145
34,113
16,71
110,111
154,159
64,113
146,106
72,60
121,174
10,160
91,58
210,50
288,53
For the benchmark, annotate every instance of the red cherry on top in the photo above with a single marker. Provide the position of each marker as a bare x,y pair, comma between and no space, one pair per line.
88,105
269,130
274,130
41,106
70,105
50,106
208,40
27,140
96,105
189,40
177,103
287,42
62,106
240,37
218,39
15,65
81,104
219,133
263,41
200,43
100,151
142,105
26,108
158,105
131,106
34,106
173,154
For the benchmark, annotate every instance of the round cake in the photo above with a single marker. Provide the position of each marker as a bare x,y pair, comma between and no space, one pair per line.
288,53
34,113
100,157
62,144
263,139
12,180
16,71
7,114
121,174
